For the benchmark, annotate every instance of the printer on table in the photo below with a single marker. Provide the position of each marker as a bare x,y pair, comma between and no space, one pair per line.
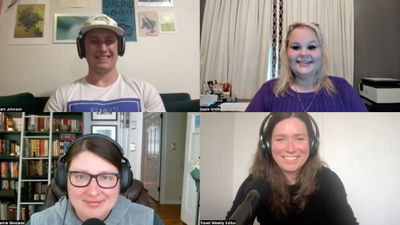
380,90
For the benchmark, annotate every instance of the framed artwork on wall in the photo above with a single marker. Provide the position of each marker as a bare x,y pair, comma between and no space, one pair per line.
104,116
107,130
148,23
156,3
167,23
31,22
67,27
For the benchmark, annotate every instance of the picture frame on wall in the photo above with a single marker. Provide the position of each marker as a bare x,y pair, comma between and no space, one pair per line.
167,23
104,116
156,3
107,130
30,23
148,23
67,27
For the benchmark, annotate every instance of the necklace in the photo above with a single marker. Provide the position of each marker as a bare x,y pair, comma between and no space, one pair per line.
301,103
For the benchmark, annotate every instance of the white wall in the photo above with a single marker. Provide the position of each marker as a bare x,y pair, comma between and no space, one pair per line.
135,138
362,148
125,137
171,62
216,176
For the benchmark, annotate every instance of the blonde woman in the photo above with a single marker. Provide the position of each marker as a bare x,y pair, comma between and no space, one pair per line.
303,85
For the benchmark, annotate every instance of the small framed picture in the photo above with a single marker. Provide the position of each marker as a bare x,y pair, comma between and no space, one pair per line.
148,23
156,3
30,25
167,23
107,130
104,116
67,27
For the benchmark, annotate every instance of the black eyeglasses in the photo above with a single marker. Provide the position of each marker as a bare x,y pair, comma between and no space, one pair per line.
104,180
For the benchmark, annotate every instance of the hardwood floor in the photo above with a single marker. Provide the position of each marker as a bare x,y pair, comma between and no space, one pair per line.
169,214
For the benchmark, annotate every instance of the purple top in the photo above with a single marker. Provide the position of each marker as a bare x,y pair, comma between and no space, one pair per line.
344,100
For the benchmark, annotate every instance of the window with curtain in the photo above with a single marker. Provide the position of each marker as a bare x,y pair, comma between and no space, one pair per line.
241,40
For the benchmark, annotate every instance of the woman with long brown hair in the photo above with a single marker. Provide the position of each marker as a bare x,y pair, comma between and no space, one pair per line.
302,189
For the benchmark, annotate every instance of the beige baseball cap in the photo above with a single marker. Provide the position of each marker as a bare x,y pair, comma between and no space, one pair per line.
102,21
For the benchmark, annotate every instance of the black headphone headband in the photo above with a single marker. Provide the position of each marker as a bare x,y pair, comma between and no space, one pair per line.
80,44
265,142
61,173
86,136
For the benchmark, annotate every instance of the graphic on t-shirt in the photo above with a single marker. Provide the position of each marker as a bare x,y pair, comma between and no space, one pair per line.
117,105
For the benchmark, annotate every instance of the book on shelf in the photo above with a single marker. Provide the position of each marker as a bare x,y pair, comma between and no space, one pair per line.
36,148
9,148
9,184
8,123
39,192
9,169
33,191
67,125
4,210
12,212
41,124
61,145
35,169
37,124
8,211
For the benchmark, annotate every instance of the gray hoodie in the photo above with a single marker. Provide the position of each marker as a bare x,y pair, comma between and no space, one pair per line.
124,212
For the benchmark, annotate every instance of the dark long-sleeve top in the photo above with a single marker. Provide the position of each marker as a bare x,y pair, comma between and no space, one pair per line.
328,205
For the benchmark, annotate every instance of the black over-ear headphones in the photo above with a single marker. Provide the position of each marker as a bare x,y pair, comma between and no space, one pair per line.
80,44
265,141
61,173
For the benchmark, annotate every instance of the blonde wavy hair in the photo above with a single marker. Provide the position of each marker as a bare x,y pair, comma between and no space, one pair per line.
286,76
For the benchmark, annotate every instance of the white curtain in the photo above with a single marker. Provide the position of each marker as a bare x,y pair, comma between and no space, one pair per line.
235,44
336,20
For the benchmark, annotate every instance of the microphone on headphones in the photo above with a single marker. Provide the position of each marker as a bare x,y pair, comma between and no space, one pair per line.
93,221
257,191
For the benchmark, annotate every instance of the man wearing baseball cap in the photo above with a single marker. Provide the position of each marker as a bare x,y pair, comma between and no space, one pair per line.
103,89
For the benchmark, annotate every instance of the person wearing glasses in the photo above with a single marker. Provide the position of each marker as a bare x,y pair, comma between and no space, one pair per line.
94,172
303,84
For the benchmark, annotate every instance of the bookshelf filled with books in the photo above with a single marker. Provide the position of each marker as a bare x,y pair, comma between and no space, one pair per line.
30,146
34,162
10,128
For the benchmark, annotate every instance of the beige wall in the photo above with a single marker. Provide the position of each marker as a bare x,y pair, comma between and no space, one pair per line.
170,61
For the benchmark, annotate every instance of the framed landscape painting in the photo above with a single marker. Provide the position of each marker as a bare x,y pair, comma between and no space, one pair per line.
67,27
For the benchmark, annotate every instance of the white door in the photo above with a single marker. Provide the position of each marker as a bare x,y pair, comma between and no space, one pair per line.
189,208
172,157
151,153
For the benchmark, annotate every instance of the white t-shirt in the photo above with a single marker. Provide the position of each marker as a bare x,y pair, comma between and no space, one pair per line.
124,95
